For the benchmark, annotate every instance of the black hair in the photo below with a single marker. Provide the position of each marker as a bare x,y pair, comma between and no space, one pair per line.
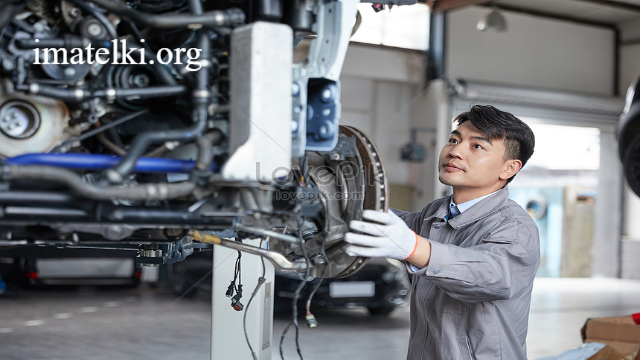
518,138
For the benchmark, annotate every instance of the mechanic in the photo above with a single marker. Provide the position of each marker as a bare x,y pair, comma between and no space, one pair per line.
473,255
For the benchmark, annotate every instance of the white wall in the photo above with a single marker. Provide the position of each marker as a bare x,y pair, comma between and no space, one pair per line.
378,85
629,66
534,52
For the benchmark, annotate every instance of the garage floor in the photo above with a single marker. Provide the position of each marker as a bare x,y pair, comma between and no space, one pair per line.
148,324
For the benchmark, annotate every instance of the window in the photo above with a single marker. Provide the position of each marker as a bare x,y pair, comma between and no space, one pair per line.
403,26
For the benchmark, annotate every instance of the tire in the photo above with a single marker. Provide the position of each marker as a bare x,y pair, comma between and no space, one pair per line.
381,311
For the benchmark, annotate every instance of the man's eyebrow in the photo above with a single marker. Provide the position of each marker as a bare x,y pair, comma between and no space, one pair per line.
482,138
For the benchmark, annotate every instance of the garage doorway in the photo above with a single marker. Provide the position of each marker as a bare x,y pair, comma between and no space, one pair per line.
559,189
598,212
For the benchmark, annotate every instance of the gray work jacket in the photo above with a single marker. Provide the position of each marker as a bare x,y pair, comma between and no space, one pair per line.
472,300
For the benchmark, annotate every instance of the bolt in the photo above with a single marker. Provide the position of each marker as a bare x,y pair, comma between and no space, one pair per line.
38,27
74,12
69,72
141,80
326,94
8,64
94,29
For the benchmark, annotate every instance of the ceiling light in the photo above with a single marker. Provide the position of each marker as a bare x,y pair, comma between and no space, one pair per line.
493,20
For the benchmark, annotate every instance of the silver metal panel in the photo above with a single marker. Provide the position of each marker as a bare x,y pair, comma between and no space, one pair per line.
578,9
562,108
260,123
334,22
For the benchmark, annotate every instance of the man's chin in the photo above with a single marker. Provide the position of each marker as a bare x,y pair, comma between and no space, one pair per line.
447,180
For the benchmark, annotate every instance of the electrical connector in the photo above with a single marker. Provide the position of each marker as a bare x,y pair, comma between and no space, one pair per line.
230,289
311,321
236,304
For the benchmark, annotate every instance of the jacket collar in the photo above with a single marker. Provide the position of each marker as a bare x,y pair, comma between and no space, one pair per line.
482,209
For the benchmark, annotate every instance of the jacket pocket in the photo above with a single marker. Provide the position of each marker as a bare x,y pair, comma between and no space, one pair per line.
465,348
499,240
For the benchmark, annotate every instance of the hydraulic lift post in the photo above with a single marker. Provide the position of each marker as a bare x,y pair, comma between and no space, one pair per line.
227,334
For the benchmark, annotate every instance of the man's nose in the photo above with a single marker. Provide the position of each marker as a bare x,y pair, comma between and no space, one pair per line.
456,151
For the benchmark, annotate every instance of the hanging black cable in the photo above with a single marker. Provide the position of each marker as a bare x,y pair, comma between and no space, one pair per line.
311,319
261,280
296,294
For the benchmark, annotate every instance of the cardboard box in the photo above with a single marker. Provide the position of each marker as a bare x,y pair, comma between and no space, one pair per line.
621,334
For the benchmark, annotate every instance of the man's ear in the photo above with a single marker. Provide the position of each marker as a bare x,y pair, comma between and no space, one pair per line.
510,168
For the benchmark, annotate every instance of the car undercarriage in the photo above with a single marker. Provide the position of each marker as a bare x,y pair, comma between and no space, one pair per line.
211,136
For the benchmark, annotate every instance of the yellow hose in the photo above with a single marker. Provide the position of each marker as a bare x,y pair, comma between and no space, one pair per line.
205,238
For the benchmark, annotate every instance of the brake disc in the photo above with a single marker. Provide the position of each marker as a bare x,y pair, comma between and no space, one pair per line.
376,192
349,184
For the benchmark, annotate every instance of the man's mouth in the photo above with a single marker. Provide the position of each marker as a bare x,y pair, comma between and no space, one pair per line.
451,167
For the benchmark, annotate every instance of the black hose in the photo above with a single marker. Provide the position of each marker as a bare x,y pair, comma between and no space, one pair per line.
158,191
98,15
63,147
81,95
68,41
195,7
210,19
34,196
147,92
205,151
200,100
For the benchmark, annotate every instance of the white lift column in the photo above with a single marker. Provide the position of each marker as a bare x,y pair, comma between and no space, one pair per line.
227,335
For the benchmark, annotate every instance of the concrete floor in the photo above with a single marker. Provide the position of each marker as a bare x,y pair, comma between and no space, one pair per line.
148,323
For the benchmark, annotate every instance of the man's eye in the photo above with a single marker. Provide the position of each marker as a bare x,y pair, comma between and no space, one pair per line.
453,141
478,147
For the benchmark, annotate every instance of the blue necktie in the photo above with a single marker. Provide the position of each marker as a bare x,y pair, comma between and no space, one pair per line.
453,212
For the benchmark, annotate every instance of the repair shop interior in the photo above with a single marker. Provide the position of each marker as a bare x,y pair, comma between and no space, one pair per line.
320,179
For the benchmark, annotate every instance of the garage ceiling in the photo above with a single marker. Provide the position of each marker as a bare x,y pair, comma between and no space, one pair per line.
613,13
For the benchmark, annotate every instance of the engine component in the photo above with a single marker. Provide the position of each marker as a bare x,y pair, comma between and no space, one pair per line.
30,123
322,114
223,132
262,102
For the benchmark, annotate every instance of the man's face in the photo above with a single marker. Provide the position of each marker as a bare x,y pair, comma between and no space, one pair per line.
473,164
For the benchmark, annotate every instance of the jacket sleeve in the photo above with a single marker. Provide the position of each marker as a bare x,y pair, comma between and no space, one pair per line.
502,265
412,219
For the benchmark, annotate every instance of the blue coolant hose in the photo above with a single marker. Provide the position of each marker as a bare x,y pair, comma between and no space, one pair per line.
101,162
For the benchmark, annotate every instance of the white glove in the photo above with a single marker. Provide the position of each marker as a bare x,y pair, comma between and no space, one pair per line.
386,236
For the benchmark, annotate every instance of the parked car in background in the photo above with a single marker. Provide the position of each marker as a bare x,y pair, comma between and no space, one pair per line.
381,286
54,266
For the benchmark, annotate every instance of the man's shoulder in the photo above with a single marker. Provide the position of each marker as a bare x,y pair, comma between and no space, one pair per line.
513,215
433,206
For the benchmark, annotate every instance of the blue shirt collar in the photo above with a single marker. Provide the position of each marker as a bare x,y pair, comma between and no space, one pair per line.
466,205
